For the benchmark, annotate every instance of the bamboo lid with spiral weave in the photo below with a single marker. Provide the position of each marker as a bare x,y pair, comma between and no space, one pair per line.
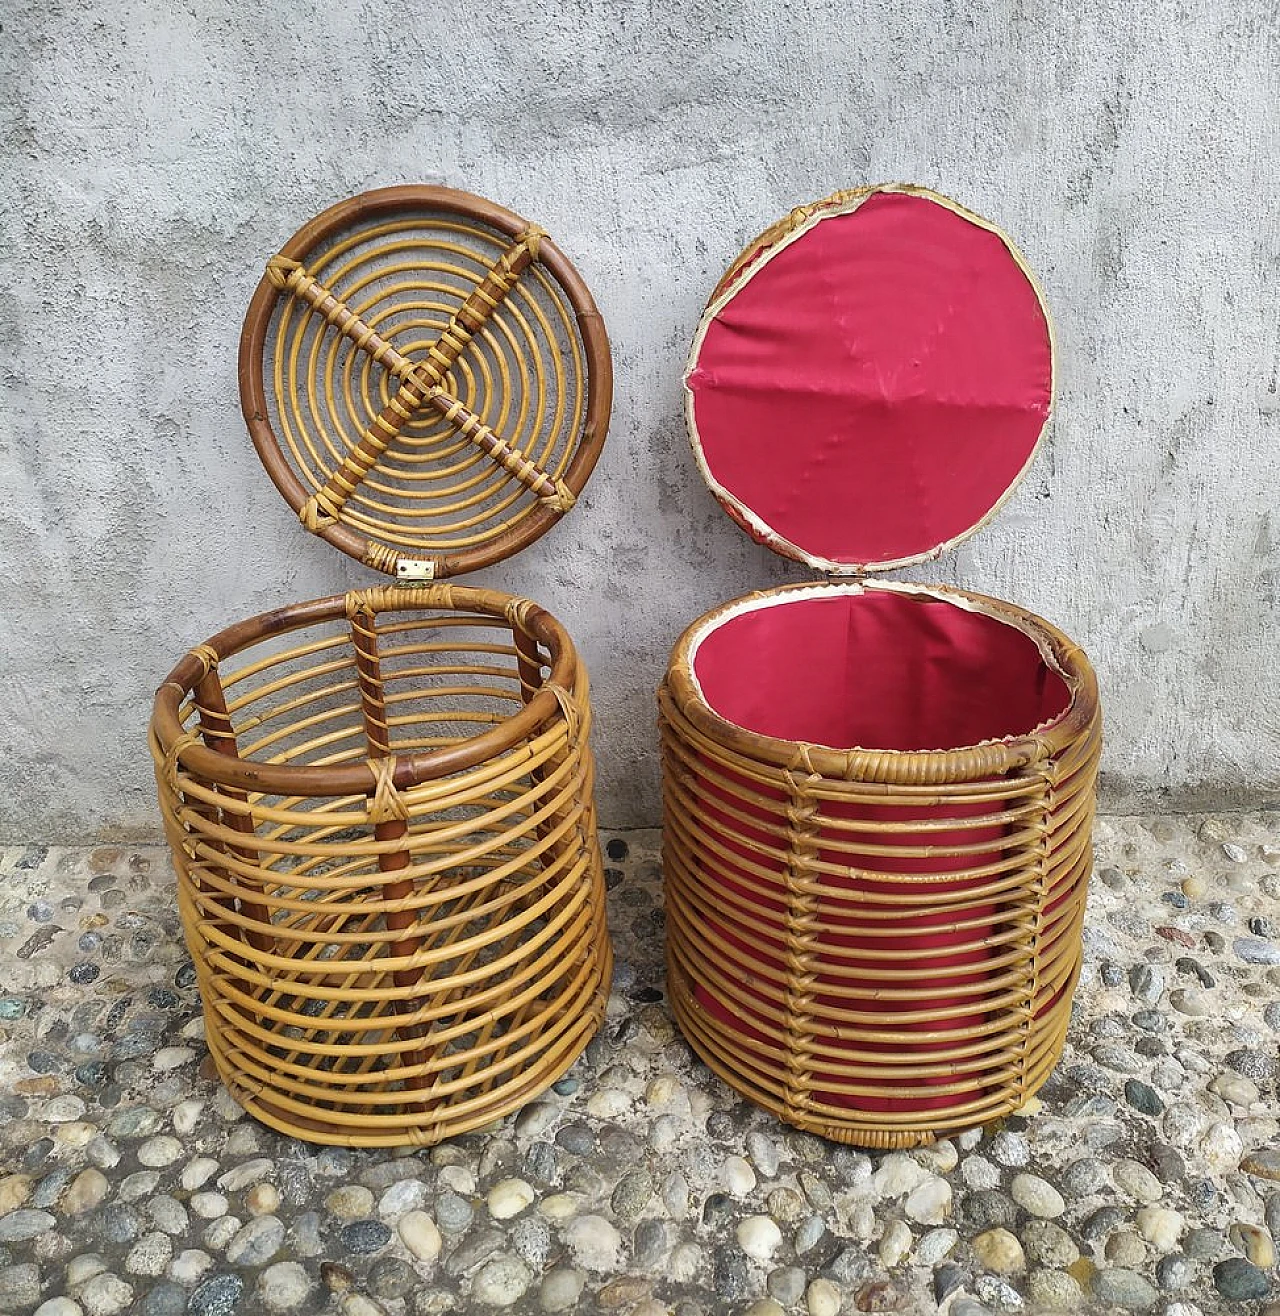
426,379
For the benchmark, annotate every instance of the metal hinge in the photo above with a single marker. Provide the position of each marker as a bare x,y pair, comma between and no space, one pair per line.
420,569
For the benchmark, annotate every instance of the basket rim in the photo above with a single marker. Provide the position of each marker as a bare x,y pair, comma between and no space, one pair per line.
452,201
359,778
985,758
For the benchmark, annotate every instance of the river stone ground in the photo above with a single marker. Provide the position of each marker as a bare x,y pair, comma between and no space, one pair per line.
1145,1178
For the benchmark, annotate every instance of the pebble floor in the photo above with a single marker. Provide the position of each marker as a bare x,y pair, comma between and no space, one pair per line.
1145,1178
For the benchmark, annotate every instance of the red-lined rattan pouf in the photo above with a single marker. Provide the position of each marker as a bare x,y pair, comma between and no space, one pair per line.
380,804
878,796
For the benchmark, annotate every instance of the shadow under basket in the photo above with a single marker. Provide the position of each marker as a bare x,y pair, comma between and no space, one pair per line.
388,870
879,945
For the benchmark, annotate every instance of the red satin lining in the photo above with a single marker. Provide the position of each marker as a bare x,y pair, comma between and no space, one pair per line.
875,387
877,671
885,671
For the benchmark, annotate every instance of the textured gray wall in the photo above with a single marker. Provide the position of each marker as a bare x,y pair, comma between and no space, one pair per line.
155,155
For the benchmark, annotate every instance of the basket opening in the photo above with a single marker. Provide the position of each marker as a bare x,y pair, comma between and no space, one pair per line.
444,679
876,669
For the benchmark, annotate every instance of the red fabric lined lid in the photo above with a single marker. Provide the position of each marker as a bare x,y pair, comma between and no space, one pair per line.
868,387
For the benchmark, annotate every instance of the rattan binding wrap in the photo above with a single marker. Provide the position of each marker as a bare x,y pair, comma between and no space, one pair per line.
380,806
1043,786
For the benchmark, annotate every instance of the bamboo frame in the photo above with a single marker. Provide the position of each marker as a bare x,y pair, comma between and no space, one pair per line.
426,379
818,1050
414,941
792,869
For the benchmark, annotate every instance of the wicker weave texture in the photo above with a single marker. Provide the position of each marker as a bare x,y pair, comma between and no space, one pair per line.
800,945
380,807
426,379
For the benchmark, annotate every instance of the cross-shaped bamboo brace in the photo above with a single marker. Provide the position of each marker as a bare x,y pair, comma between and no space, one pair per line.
421,381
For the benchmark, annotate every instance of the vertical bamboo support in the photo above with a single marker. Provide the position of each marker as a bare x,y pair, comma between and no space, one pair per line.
529,666
801,933
528,661
1039,893
219,735
364,639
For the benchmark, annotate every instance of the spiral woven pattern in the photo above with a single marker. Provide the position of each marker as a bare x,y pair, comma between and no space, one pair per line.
380,808
426,379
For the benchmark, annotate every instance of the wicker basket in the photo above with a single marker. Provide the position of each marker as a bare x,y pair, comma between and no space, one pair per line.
878,796
380,804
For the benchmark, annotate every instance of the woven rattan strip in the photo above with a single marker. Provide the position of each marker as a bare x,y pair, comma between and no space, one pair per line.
426,379
770,973
380,807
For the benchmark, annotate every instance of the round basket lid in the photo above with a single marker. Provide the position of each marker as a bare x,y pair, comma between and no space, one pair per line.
870,379
426,379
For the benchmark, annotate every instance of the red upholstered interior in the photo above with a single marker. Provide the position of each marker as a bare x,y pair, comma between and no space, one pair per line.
887,671
873,389
877,670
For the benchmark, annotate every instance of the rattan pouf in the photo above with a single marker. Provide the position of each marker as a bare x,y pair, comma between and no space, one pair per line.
380,803
878,796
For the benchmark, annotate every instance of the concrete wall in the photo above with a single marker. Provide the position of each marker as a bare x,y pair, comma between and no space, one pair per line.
156,154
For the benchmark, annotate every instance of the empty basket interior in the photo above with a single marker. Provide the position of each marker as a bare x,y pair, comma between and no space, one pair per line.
416,947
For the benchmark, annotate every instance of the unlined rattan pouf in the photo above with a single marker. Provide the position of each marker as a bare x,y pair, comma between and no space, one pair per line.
878,796
380,803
